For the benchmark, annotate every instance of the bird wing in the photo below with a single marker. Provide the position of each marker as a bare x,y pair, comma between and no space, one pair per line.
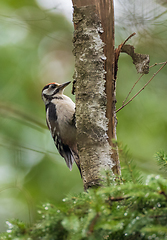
64,150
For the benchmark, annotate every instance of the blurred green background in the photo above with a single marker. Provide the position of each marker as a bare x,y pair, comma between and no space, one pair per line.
35,49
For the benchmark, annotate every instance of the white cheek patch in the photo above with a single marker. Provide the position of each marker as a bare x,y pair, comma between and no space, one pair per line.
48,91
45,91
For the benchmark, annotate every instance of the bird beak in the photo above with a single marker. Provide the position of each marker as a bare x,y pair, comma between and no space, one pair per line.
62,86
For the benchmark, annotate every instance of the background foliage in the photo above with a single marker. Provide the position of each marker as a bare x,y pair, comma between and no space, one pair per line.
36,48
118,210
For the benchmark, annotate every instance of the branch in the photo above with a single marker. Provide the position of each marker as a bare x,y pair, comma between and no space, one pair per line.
141,88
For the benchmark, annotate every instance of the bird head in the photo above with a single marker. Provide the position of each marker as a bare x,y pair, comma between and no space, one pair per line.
53,90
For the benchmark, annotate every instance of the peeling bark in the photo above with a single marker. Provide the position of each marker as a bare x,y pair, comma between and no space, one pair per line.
94,90
141,61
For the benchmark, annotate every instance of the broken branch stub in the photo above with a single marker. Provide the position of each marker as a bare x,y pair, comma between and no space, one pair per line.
141,61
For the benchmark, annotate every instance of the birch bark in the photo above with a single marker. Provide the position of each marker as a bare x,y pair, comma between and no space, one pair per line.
95,88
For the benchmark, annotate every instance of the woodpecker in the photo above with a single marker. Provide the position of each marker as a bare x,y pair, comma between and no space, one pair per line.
60,119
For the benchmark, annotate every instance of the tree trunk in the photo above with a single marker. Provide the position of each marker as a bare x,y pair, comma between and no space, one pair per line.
95,88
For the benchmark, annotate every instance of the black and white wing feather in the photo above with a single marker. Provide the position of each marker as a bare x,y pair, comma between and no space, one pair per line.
64,150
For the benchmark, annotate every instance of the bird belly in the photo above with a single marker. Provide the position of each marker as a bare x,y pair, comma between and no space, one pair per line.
66,127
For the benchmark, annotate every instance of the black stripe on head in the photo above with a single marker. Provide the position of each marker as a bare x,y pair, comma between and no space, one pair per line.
46,87
55,91
51,85
52,88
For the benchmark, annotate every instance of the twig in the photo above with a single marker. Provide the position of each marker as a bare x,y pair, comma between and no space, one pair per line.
117,54
92,224
27,148
155,64
112,199
24,116
128,38
132,88
141,88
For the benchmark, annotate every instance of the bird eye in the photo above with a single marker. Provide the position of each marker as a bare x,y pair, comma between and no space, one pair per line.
52,86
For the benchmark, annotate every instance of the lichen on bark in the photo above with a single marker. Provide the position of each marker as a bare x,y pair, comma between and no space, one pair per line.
92,124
